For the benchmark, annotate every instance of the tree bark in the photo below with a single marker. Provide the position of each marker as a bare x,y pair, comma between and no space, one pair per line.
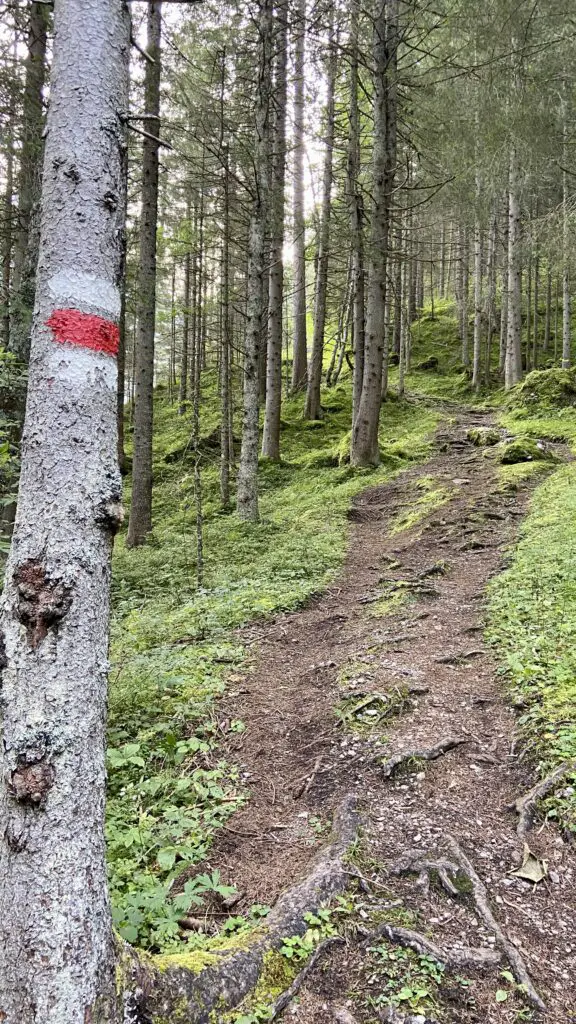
477,351
271,436
26,234
8,212
226,347
140,523
356,214
247,483
365,448
185,356
513,367
56,946
566,296
312,408
300,344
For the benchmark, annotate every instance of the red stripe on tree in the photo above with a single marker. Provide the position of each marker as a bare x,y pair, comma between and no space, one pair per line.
70,327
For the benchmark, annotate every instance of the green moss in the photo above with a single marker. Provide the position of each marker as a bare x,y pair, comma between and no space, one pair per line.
427,498
532,622
525,449
511,478
484,437
545,389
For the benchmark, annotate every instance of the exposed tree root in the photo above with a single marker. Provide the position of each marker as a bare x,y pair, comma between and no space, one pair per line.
414,861
286,998
389,767
480,897
425,947
151,993
526,805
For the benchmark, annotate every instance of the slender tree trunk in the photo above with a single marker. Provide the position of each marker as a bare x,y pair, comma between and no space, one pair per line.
504,310
548,320
225,368
312,408
56,942
535,318
566,239
356,213
185,356
477,350
443,261
247,484
491,303
396,338
140,523
528,312
513,367
8,213
465,256
365,448
300,347
271,435
27,225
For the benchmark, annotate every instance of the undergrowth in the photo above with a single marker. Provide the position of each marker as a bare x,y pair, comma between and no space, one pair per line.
532,609
174,645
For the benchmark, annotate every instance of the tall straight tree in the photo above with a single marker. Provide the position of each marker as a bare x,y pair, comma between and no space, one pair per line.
247,483
365,448
140,523
271,435
300,344
356,212
312,409
56,941
26,230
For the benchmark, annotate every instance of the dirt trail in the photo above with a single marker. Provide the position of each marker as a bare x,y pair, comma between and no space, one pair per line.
427,657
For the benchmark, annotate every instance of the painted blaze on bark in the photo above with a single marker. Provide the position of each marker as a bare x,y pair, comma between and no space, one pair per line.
56,945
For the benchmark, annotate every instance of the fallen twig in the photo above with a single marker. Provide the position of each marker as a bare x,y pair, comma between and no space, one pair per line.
286,998
526,805
480,897
389,766
465,957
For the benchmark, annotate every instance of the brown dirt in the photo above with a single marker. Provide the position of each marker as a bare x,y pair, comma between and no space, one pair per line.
299,759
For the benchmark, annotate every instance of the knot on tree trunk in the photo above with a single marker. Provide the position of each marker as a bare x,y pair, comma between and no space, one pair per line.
42,603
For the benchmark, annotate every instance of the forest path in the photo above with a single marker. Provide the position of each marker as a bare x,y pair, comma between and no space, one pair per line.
403,620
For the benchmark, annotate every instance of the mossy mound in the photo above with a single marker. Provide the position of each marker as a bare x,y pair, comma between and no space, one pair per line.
484,437
545,389
525,449
430,363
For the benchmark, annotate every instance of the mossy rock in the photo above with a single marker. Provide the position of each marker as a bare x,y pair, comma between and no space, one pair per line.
553,388
314,424
431,363
525,449
484,437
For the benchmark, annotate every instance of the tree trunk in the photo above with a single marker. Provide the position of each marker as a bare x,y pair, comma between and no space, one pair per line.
185,356
513,367
56,944
465,272
504,310
356,214
477,305
27,225
535,317
247,484
8,213
312,408
300,347
365,448
226,346
271,436
548,320
140,523
566,239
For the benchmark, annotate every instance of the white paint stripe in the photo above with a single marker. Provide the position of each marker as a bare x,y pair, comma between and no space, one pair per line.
71,288
76,366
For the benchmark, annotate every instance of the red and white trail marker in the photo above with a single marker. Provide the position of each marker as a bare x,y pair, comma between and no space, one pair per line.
71,327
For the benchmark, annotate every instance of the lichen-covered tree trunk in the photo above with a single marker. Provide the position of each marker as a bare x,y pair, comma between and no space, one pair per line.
312,409
56,946
356,214
513,366
271,435
299,345
365,448
566,241
26,232
140,523
247,483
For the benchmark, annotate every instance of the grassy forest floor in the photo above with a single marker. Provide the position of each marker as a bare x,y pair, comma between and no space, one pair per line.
368,614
